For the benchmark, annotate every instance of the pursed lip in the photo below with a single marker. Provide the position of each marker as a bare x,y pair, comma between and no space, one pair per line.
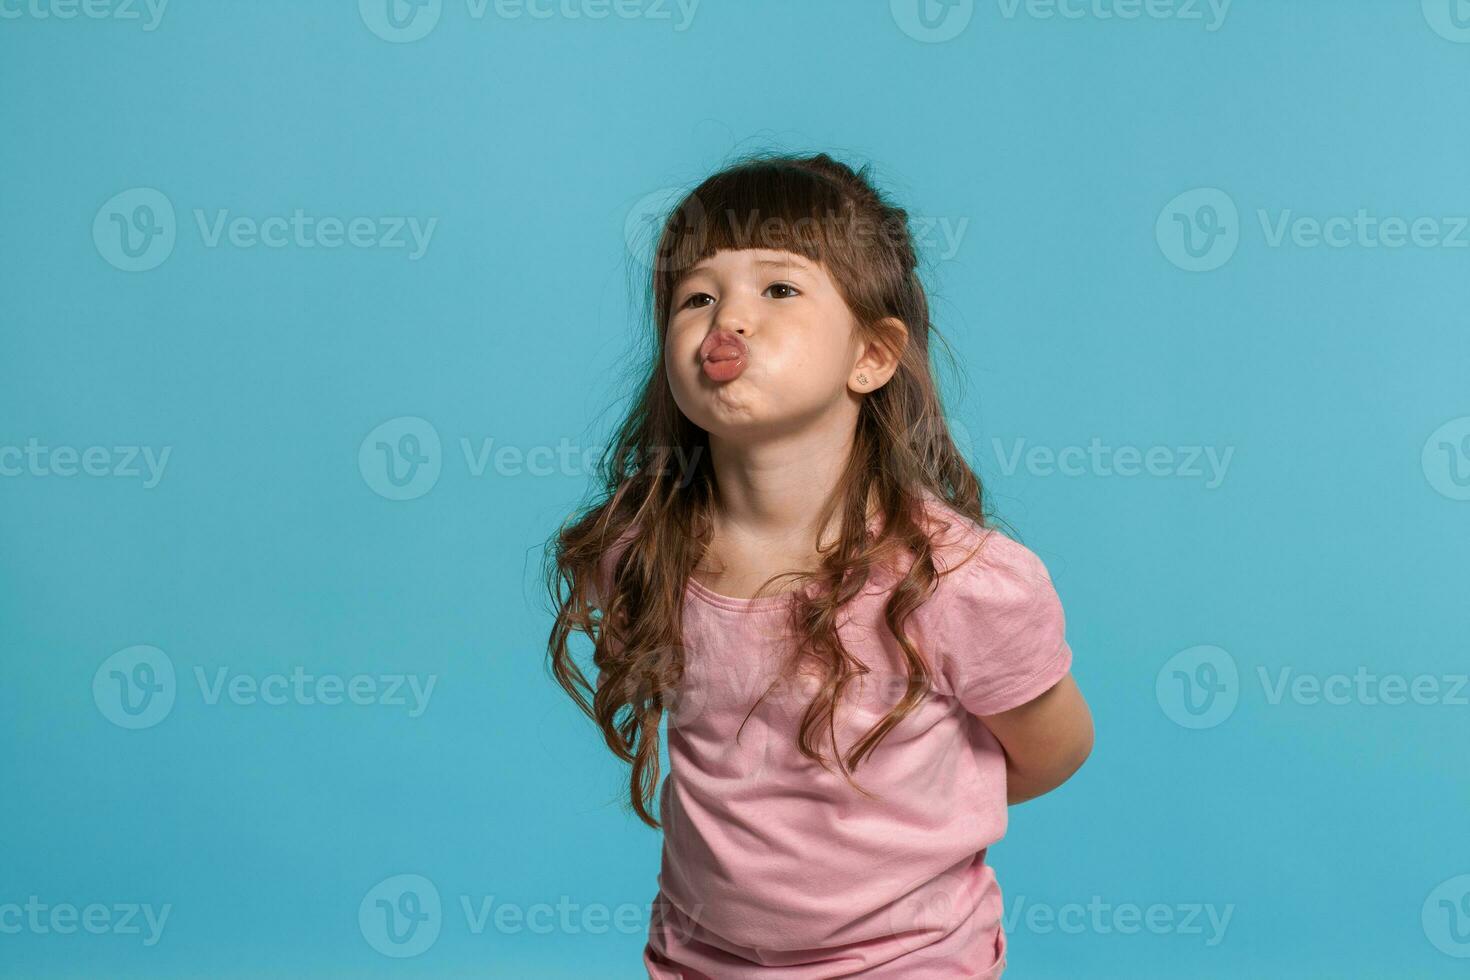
723,339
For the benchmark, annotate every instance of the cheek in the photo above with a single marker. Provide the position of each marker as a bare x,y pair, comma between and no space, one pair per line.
680,353
681,343
812,360
676,378
681,367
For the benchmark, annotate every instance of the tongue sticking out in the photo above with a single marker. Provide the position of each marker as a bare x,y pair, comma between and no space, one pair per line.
725,363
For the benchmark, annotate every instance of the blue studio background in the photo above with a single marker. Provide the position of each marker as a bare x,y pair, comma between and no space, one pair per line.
313,316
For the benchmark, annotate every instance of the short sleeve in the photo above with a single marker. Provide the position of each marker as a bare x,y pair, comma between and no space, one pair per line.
995,628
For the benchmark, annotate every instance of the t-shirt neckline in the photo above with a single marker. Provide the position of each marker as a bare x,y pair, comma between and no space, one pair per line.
706,594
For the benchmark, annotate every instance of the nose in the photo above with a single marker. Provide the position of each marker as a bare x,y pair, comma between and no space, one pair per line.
730,315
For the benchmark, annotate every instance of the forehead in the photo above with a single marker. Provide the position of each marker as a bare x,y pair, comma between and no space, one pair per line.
761,258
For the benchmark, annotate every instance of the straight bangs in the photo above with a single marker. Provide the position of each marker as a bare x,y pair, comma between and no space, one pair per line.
764,205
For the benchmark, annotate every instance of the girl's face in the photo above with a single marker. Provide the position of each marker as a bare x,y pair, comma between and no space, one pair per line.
801,344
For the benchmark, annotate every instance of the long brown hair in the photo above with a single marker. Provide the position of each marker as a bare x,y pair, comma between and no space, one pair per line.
657,485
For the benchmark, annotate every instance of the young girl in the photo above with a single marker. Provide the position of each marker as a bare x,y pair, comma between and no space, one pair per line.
841,751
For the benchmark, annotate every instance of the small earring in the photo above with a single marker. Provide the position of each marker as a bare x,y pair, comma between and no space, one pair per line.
862,379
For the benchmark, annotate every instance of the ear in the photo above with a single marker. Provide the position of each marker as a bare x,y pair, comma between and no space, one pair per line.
879,356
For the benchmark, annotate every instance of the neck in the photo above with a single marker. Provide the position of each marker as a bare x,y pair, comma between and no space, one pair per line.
772,493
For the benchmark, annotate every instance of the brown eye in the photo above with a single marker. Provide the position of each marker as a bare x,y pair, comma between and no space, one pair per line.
783,285
694,297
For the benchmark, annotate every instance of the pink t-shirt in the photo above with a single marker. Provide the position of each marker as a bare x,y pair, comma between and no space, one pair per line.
774,867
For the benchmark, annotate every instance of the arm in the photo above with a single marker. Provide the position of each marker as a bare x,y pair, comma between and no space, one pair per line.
1045,740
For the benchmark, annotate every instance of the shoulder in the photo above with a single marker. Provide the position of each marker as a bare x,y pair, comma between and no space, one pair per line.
994,619
981,562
